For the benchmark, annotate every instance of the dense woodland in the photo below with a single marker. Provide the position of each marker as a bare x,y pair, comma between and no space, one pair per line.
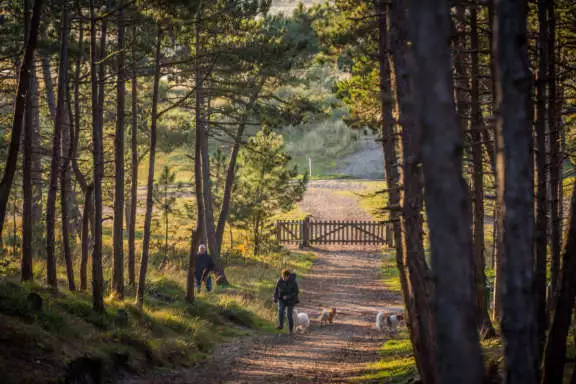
473,102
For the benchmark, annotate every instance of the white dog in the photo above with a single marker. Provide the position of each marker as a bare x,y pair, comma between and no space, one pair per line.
387,322
301,320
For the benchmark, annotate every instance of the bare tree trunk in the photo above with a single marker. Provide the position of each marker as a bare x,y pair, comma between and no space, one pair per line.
514,82
458,357
88,190
49,86
555,351
195,241
36,159
149,192
56,155
418,298
19,109
86,219
97,138
555,159
118,271
540,235
134,186
26,272
497,167
202,126
477,127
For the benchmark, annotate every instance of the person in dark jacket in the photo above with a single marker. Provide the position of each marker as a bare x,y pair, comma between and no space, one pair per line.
204,265
286,295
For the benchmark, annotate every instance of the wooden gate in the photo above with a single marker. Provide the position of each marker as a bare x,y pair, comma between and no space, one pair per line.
308,232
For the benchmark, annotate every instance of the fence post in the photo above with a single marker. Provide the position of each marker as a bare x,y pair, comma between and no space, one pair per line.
306,232
278,237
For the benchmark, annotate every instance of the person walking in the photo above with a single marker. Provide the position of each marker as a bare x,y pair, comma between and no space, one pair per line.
204,265
286,295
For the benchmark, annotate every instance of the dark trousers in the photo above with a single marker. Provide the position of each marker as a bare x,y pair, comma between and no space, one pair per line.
207,281
283,307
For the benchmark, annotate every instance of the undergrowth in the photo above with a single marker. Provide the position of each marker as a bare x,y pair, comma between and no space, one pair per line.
166,332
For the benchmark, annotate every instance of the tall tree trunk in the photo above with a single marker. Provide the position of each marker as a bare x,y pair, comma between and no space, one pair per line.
202,127
499,174
97,81
190,286
19,109
87,216
555,351
134,185
514,82
26,272
65,189
88,190
118,272
67,136
458,356
540,235
56,155
477,127
555,159
198,234
419,295
149,192
49,86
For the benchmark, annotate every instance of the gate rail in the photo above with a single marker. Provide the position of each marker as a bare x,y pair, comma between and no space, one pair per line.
308,231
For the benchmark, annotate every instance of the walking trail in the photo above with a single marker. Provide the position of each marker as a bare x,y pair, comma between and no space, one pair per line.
347,279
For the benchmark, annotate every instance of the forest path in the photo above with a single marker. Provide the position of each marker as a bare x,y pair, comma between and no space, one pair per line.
347,279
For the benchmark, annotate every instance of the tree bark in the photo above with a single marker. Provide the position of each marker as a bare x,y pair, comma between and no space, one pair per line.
555,351
86,219
458,357
202,126
418,296
134,185
540,235
513,86
49,87
149,192
198,234
19,109
555,159
97,82
498,156
118,272
26,272
55,167
477,127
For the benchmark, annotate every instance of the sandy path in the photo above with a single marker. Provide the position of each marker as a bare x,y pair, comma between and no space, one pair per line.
347,279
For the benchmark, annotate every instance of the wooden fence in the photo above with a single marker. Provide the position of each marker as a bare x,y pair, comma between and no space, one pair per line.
349,232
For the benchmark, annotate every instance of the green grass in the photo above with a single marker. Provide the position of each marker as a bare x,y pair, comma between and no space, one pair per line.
389,272
167,332
396,365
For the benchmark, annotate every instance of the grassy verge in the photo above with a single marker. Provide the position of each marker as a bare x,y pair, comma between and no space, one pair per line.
37,345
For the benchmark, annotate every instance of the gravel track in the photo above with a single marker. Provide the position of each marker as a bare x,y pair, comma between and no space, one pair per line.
345,278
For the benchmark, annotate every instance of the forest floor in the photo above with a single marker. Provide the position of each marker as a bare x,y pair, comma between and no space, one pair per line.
345,278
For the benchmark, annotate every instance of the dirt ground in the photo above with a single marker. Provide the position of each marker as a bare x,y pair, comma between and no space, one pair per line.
347,279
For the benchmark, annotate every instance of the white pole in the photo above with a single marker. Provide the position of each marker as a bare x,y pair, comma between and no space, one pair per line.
310,165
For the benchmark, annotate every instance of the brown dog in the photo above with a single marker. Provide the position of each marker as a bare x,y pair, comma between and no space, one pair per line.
327,316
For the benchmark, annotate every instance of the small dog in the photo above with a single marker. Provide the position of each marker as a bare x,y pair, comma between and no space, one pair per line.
387,322
301,321
327,316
